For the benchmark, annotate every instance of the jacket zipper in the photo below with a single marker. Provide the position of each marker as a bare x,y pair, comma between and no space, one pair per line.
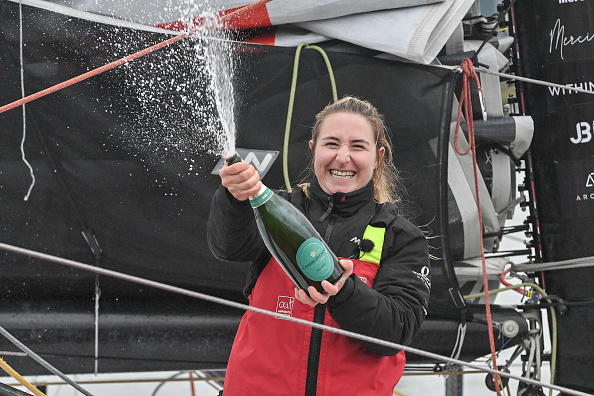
315,341
328,211
313,360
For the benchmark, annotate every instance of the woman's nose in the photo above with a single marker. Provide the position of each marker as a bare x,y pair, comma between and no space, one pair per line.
343,155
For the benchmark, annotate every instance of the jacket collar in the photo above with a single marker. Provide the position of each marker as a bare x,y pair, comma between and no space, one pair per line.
342,204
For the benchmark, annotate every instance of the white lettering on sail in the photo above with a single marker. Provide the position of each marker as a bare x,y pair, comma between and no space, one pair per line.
559,41
584,133
557,91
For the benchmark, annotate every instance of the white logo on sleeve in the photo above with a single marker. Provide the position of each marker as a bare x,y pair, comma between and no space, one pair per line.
424,276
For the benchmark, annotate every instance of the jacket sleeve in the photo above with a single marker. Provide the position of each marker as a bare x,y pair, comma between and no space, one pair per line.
394,309
231,229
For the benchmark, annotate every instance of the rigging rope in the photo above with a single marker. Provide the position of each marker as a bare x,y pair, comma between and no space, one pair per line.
512,77
292,101
150,380
466,104
233,304
581,262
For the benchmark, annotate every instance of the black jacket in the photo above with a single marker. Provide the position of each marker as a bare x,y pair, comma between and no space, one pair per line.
396,306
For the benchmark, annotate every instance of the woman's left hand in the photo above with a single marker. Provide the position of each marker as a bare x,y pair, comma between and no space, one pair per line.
315,297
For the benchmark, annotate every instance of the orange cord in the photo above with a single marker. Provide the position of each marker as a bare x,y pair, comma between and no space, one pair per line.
17,376
123,60
466,102
192,389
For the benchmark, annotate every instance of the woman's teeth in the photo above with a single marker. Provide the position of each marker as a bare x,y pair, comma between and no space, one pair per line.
342,175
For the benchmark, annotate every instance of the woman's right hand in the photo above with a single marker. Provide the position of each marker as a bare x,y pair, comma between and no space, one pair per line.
241,179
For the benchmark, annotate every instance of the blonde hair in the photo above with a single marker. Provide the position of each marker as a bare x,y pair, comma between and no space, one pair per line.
385,175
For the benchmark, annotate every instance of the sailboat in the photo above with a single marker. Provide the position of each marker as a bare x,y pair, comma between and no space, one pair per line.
117,171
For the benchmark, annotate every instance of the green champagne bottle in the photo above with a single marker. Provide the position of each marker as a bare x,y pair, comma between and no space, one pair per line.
292,240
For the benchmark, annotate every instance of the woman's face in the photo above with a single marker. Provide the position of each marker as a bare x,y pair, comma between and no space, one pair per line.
344,153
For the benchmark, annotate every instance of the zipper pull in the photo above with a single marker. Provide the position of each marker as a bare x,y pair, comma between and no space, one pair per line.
328,211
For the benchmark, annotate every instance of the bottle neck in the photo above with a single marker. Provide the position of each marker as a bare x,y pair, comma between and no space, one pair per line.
263,195
232,159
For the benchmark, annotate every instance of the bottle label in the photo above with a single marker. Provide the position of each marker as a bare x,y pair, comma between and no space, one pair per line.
314,260
262,197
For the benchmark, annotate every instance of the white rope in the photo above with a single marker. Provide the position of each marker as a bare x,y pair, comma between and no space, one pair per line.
97,296
481,69
532,352
218,300
554,265
531,80
459,341
10,353
26,198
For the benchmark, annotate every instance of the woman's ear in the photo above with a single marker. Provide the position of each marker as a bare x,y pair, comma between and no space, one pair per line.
380,156
311,145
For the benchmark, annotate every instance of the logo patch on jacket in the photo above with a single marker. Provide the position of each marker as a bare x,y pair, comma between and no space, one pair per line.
424,276
284,305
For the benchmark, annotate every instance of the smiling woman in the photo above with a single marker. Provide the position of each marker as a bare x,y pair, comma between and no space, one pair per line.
349,201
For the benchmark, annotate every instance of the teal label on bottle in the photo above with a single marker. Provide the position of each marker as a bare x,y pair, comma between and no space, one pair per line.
315,260
262,198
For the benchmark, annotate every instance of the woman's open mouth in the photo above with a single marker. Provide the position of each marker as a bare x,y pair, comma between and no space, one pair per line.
342,174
